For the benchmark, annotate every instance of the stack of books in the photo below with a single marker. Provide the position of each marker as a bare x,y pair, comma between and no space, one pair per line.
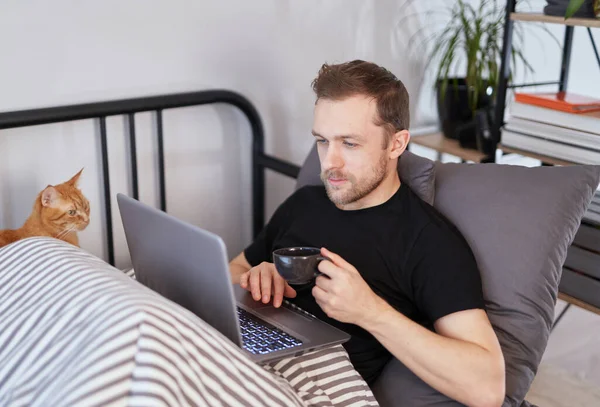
559,124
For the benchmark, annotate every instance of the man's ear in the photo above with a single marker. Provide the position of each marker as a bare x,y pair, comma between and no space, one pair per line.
399,143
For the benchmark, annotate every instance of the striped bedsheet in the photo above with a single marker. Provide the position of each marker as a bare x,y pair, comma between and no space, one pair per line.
75,331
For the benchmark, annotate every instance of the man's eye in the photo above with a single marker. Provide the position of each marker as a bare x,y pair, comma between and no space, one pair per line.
72,212
347,144
321,141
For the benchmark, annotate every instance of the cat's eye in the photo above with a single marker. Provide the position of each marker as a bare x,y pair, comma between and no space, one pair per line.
72,212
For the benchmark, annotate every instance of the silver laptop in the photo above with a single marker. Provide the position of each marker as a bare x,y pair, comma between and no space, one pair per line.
189,266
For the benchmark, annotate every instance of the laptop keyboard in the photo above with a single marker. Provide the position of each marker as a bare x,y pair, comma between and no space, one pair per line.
260,337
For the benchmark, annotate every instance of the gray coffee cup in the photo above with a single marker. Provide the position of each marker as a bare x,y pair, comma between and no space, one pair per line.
298,265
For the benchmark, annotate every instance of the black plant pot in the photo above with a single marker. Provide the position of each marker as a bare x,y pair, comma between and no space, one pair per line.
559,8
455,115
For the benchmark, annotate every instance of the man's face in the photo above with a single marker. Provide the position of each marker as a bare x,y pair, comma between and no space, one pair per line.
350,146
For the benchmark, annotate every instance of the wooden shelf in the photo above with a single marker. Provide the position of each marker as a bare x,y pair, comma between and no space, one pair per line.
543,158
542,18
579,303
441,144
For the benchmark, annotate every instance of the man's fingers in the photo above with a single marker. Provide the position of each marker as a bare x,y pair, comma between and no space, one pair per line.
244,280
289,291
278,291
264,281
319,294
328,268
266,277
324,283
281,289
255,284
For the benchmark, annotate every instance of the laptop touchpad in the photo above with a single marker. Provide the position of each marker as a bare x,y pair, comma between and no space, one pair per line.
244,297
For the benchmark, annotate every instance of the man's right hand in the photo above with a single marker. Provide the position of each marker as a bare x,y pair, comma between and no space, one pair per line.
263,281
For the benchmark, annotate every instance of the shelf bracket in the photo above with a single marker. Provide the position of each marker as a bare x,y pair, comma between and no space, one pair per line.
566,58
594,45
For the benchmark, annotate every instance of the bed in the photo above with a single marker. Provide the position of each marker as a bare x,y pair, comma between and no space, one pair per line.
489,204
303,382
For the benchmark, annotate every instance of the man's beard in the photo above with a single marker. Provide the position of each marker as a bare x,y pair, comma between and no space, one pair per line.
357,190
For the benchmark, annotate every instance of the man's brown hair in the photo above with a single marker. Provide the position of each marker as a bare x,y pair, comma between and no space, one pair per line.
337,82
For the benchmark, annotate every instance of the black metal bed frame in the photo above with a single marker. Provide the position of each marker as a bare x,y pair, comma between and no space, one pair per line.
129,107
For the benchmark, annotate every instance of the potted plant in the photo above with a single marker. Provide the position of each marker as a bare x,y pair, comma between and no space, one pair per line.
466,54
573,8
575,5
473,39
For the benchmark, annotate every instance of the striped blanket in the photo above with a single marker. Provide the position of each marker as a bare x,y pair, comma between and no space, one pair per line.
75,331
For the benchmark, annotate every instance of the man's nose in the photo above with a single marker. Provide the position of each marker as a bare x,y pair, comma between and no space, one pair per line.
333,158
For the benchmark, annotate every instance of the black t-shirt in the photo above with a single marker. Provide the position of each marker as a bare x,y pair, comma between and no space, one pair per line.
408,253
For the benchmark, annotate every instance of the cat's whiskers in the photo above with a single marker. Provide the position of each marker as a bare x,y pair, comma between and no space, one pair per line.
64,232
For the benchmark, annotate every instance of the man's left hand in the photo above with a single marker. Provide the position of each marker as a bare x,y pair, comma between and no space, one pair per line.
342,293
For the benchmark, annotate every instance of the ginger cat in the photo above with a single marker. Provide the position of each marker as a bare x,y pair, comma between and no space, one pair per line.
59,211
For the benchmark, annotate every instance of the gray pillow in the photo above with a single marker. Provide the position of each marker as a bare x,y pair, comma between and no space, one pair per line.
519,222
416,171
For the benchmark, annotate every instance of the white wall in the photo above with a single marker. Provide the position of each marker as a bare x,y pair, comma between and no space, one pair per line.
65,52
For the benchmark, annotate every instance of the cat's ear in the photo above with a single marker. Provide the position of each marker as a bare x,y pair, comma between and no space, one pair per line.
75,180
49,196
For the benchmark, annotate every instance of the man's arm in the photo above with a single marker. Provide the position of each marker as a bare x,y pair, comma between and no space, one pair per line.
238,266
462,359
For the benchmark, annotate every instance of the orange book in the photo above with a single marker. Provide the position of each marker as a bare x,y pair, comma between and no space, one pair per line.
563,101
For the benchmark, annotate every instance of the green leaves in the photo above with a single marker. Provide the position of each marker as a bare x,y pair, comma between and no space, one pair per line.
574,5
472,40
